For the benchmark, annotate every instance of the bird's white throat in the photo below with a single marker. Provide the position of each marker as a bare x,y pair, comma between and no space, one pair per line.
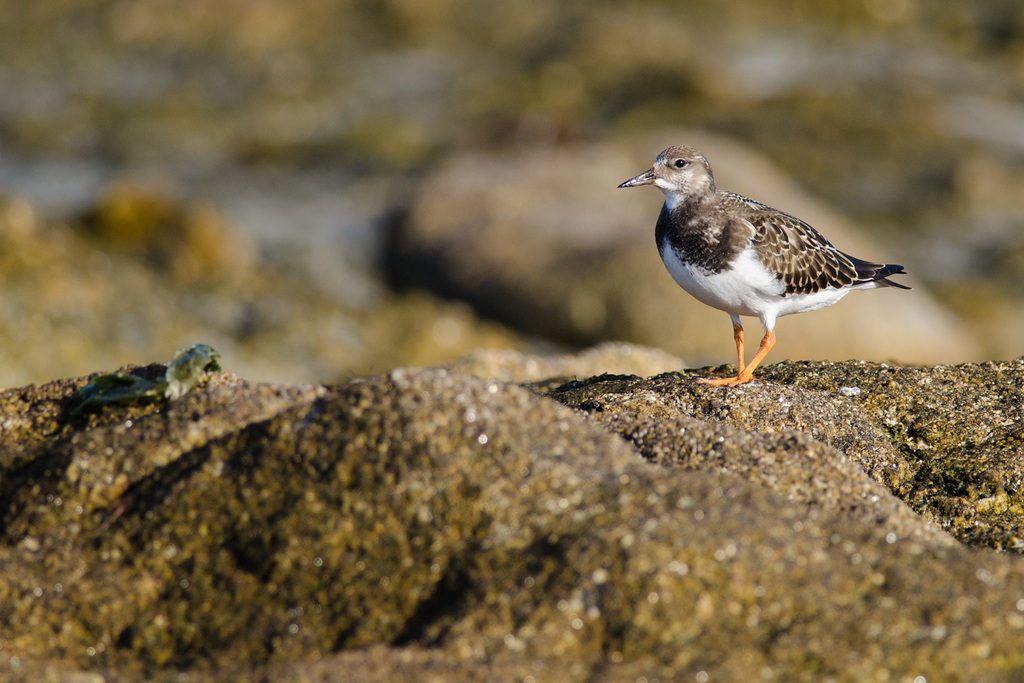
673,197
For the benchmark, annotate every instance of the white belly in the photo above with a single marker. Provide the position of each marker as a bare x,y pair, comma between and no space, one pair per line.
747,288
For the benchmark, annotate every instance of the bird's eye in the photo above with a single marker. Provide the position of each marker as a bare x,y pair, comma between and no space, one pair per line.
679,163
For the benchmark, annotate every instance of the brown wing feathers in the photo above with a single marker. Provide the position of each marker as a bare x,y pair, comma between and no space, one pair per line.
806,262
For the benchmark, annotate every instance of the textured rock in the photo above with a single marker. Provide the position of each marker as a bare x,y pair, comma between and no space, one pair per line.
429,525
544,241
947,439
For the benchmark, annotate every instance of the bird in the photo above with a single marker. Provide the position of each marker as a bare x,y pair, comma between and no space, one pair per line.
744,257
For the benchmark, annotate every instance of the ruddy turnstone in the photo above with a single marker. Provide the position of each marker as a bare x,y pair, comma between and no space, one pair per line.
744,257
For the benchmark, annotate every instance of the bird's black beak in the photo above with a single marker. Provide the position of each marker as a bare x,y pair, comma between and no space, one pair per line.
645,178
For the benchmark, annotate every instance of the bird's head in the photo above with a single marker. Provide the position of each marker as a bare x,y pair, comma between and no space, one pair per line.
681,172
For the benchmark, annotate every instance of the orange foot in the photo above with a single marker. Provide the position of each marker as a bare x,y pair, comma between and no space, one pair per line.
726,381
744,373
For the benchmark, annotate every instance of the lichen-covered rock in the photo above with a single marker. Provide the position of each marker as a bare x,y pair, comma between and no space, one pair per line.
429,525
948,439
959,427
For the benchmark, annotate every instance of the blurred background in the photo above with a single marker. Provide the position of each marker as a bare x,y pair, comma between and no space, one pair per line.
322,189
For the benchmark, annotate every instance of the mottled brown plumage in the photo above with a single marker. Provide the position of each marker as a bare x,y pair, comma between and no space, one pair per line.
804,260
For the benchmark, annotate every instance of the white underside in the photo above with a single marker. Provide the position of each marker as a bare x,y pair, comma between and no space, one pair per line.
747,288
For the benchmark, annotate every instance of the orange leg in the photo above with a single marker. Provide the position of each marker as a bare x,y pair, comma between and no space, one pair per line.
737,335
767,342
744,374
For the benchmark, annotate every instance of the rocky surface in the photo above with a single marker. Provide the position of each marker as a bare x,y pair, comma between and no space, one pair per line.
543,241
427,524
946,439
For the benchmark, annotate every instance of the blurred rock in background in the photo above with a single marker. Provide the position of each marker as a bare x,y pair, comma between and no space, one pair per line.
260,176
536,238
141,275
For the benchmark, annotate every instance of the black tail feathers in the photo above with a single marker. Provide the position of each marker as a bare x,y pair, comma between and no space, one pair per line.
868,271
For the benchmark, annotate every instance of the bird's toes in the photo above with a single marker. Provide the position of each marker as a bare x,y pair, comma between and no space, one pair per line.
717,381
726,381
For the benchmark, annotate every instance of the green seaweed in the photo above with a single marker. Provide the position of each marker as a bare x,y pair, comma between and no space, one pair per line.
187,366
183,373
